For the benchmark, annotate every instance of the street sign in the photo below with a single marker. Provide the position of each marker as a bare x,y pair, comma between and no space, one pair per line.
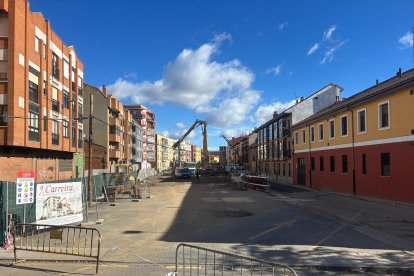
25,192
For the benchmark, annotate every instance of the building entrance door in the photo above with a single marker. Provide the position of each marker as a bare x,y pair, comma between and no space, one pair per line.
301,171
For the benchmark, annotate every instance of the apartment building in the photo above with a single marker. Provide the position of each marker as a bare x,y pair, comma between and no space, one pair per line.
41,97
136,158
223,155
363,145
274,139
165,152
100,129
252,153
116,140
146,119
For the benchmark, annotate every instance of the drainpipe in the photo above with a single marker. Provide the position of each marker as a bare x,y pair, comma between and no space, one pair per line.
353,152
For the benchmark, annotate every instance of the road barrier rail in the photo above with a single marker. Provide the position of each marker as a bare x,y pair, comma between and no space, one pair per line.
62,239
196,260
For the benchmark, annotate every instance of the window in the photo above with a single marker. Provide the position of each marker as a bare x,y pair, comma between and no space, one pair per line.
278,168
284,171
312,134
80,111
3,115
65,99
33,92
55,66
80,138
73,134
332,163
331,129
321,132
33,122
55,132
289,170
66,69
361,123
303,136
383,115
36,44
321,164
364,163
65,124
344,163
344,125
45,123
296,138
312,163
385,164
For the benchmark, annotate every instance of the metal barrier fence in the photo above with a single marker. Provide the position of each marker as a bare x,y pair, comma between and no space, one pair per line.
67,240
191,259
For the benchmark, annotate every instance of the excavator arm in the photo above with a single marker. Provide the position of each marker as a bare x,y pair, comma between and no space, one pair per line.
197,123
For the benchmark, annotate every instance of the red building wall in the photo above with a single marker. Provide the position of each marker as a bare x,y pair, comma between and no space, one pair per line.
399,186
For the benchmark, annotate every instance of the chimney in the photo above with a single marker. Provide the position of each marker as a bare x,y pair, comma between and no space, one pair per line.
399,73
104,90
275,114
377,82
297,101
302,99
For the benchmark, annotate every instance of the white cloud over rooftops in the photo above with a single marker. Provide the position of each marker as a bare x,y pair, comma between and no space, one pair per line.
196,81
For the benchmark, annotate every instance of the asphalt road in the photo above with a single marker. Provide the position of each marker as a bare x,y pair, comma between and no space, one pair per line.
318,233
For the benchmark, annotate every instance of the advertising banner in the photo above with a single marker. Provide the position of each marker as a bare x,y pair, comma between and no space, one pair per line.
59,203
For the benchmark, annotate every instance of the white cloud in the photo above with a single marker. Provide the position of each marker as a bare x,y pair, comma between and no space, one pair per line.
275,70
313,49
328,57
179,133
282,25
406,40
180,125
327,35
265,112
195,81
165,133
218,38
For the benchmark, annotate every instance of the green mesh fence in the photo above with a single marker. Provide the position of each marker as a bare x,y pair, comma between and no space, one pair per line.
27,212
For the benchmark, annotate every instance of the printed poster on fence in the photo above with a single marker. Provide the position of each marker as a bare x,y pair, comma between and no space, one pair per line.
59,203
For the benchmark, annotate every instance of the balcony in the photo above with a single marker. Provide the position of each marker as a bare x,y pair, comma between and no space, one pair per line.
55,139
114,121
114,154
55,106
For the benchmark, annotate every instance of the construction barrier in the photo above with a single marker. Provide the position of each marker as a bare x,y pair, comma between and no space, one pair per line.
67,240
191,259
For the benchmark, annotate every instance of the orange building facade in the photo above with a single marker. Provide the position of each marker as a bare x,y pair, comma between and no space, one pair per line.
41,97
363,145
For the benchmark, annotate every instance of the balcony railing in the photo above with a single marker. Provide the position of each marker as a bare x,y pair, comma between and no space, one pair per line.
55,139
55,106
286,132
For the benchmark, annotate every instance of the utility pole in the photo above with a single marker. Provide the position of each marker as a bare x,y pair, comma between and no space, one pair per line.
90,150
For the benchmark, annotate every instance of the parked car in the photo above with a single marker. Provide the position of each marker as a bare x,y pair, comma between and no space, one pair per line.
183,173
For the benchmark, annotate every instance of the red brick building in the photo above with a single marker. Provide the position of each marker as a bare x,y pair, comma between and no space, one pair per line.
41,85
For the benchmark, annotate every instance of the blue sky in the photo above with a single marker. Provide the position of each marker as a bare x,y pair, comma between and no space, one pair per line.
231,63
